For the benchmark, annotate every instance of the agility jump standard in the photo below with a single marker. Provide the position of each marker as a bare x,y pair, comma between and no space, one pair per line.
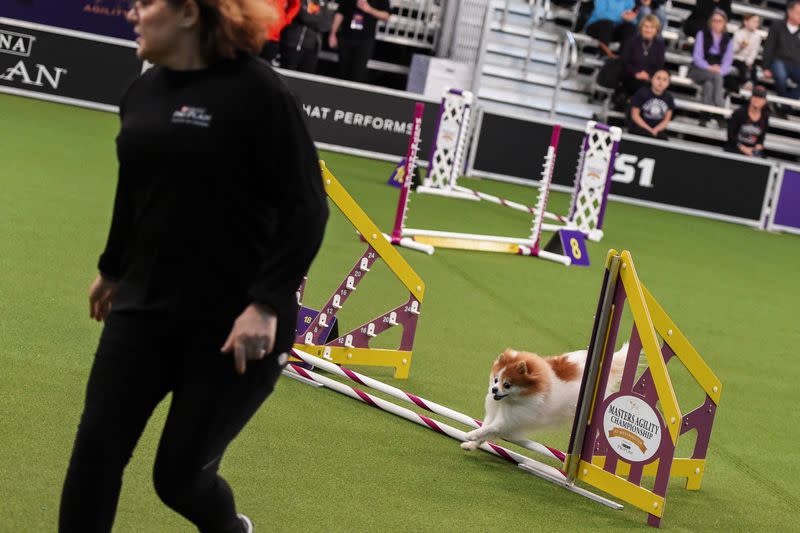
536,468
592,176
353,346
632,433
529,246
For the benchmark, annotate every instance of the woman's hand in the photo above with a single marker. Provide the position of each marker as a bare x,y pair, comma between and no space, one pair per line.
628,15
252,336
101,296
642,75
333,42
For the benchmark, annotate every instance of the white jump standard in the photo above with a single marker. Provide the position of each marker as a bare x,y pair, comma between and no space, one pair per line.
592,177
529,246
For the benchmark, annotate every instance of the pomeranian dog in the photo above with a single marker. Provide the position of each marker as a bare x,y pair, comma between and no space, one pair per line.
528,392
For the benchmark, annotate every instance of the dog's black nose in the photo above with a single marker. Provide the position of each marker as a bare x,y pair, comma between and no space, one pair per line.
494,390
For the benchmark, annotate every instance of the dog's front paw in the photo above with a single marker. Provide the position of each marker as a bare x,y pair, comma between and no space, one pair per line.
472,435
470,445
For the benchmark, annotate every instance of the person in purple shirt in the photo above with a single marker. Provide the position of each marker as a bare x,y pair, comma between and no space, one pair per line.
642,56
712,60
702,11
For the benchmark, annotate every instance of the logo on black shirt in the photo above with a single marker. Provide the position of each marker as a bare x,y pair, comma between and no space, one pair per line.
194,116
655,109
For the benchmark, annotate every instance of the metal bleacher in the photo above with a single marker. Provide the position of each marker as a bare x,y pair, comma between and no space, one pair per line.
532,64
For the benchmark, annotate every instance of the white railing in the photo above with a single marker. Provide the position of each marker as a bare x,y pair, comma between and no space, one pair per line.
414,23
566,53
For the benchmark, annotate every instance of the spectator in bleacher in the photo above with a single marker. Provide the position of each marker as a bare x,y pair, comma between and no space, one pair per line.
746,45
611,21
651,108
651,7
642,55
712,61
782,52
286,10
357,20
301,40
747,126
703,9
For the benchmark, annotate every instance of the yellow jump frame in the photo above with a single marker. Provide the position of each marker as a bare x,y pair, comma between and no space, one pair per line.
620,438
352,348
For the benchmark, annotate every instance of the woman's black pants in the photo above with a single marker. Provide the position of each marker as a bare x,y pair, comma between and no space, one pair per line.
139,360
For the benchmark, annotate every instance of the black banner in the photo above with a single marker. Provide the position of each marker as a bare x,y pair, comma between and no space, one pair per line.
375,121
661,172
61,65
102,17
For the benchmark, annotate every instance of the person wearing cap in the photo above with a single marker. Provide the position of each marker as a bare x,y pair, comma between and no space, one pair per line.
712,60
748,125
782,52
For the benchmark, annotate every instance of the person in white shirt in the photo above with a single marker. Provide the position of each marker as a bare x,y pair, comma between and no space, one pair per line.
746,46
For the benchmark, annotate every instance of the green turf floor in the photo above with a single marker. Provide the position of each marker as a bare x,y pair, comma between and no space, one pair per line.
314,460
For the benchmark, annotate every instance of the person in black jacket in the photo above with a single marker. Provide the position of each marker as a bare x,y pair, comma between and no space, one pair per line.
748,125
220,209
698,19
353,33
642,56
301,41
782,52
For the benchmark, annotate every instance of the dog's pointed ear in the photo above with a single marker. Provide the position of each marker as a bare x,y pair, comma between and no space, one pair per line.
522,367
501,358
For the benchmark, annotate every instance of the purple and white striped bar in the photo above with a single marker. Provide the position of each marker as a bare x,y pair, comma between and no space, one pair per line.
428,405
532,466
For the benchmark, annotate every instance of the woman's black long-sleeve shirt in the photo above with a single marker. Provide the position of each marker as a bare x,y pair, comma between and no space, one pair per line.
220,201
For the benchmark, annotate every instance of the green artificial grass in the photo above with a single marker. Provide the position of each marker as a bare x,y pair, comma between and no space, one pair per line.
313,460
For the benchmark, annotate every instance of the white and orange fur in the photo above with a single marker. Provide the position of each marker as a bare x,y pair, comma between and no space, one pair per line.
528,392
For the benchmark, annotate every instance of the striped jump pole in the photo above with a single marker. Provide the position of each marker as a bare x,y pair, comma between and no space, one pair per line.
433,407
509,203
541,470
397,238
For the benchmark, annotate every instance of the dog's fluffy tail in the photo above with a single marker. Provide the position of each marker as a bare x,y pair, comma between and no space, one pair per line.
618,365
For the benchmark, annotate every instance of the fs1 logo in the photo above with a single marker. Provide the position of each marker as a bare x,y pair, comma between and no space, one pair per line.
626,165
20,44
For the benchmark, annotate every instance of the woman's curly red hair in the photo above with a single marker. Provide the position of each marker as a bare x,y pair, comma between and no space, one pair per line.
231,26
